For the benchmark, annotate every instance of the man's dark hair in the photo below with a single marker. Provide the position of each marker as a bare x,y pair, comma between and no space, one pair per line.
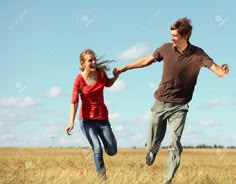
183,26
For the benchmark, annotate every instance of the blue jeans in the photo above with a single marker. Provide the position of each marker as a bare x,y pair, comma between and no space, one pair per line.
175,115
96,131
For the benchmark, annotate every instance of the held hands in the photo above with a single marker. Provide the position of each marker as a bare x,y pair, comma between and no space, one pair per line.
68,129
115,73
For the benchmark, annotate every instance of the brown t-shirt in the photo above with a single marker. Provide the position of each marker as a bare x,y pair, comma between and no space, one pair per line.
180,72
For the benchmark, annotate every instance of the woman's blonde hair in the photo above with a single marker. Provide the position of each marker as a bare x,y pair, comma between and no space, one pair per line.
99,65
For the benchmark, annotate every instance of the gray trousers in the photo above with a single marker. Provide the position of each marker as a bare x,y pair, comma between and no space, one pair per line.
175,115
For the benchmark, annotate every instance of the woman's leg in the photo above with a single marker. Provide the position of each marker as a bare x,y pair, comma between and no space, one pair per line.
90,131
106,134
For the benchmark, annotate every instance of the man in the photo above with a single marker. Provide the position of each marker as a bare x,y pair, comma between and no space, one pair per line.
182,62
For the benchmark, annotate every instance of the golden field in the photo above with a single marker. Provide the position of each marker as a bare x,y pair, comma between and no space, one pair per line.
75,166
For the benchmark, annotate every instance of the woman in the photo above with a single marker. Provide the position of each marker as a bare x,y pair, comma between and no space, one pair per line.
94,122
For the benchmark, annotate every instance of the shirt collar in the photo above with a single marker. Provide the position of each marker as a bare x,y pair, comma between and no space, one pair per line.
187,51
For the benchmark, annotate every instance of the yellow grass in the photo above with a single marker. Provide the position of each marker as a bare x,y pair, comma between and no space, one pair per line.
75,166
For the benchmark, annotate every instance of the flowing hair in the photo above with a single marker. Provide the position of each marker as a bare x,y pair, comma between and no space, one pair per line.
102,65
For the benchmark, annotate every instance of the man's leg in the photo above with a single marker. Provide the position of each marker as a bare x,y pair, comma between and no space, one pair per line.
156,131
177,122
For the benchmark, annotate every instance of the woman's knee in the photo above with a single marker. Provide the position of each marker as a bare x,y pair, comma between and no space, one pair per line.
97,149
111,151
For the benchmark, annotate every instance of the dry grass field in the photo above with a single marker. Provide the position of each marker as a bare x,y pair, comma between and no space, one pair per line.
75,166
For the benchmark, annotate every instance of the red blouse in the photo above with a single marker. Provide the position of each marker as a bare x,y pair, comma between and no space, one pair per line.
92,105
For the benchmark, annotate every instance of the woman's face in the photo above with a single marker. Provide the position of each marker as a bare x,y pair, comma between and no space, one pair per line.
89,63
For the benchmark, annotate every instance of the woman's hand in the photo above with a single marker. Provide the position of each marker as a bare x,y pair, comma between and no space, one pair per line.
115,73
69,129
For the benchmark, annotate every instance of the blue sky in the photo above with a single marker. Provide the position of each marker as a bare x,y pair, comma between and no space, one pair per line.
40,46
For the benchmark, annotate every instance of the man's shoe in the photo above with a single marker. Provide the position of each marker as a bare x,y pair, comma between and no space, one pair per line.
150,158
167,182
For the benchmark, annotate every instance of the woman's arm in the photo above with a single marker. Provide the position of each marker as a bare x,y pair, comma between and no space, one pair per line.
112,80
73,110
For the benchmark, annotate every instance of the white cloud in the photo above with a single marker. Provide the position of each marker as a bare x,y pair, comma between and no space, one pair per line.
121,131
17,102
119,128
53,92
193,136
70,140
189,131
221,102
7,137
74,140
144,118
119,85
51,131
233,138
138,138
54,134
136,51
129,138
152,85
108,103
9,116
217,102
114,116
209,123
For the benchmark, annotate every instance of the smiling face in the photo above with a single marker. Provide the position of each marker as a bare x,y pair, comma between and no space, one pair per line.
177,39
88,61
181,31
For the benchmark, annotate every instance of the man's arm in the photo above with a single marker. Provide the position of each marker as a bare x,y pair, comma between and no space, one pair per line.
221,70
145,61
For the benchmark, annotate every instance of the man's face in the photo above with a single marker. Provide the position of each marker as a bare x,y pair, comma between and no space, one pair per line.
177,39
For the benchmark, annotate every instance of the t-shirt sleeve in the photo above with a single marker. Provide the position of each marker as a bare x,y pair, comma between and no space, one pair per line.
76,91
158,53
206,60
